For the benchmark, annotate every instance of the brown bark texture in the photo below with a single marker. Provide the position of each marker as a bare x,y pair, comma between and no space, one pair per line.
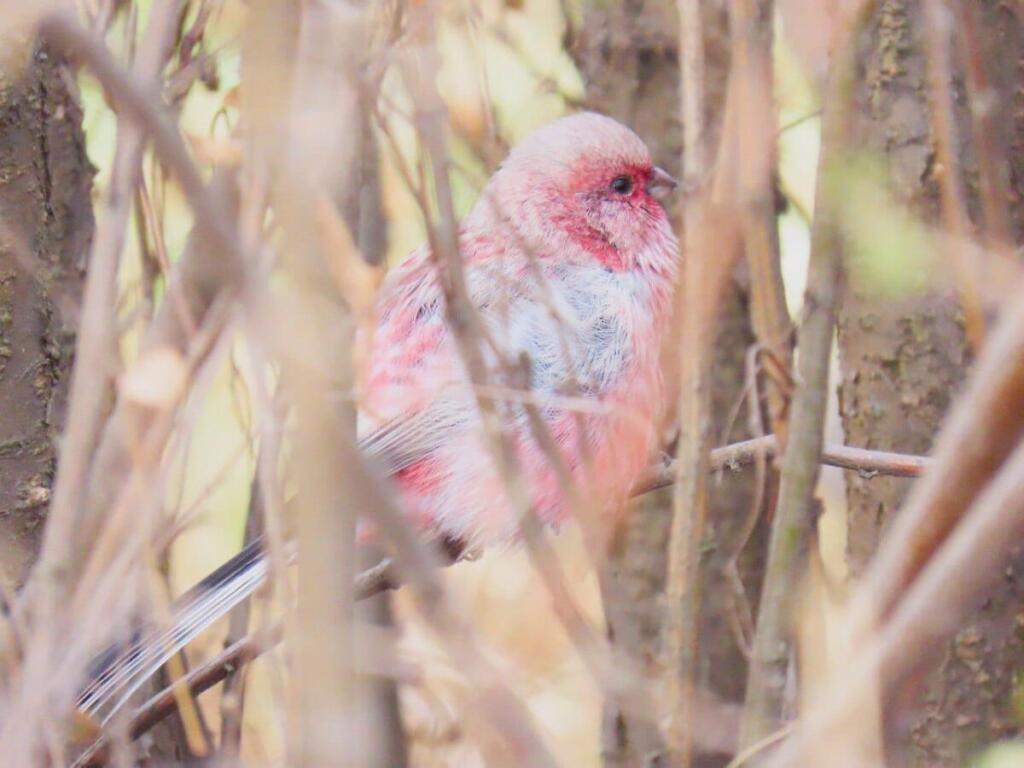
627,53
902,359
46,223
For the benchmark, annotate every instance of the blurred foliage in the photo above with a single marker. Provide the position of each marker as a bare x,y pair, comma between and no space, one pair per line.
890,253
1008,754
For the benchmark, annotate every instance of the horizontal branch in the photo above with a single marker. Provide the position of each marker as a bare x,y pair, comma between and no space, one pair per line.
862,460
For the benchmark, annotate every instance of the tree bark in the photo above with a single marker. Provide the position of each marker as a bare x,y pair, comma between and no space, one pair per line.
903,360
46,223
627,53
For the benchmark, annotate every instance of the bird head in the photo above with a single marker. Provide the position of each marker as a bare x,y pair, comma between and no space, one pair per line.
583,187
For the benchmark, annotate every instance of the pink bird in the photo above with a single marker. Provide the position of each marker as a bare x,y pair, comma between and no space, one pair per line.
569,260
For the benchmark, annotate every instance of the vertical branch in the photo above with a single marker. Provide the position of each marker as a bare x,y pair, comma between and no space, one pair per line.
312,338
691,91
771,649
690,494
628,55
753,141
365,216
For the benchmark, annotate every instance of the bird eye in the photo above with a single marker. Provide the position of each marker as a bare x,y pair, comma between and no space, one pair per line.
622,184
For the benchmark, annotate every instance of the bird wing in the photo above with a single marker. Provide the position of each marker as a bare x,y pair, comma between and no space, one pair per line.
402,442
414,391
418,394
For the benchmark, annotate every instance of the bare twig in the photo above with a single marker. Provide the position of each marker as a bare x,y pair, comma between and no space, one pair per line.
137,105
503,711
382,576
321,147
689,500
752,138
211,264
771,650
469,335
753,750
867,462
109,458
95,357
69,528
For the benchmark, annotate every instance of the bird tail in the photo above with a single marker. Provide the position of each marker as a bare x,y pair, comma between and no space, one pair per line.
119,671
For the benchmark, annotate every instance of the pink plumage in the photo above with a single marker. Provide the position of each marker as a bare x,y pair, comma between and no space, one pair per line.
570,260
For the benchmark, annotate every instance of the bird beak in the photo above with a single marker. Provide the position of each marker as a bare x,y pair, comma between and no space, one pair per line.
661,183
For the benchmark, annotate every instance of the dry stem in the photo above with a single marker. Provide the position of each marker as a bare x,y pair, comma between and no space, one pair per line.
763,707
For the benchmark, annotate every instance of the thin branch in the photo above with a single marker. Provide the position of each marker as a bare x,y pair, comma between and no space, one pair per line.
752,138
868,463
689,500
469,335
252,647
766,683
216,265
380,577
212,262
233,698
496,704
330,46
95,354
137,104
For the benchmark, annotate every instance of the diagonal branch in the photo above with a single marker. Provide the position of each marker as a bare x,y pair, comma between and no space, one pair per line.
95,351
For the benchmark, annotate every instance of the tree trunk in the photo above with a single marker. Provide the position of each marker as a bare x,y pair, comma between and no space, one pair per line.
46,223
627,53
902,361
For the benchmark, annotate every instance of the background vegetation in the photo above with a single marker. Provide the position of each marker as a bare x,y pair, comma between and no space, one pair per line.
197,200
